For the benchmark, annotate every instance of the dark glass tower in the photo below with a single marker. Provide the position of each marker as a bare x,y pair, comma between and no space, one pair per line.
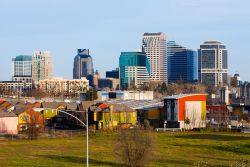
182,63
83,65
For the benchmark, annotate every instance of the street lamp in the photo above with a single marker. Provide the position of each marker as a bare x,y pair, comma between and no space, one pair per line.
87,131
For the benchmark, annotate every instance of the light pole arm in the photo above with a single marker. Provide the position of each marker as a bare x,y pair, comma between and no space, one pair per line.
87,132
73,117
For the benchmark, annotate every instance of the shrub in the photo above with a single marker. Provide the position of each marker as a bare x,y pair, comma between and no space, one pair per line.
146,125
133,146
241,163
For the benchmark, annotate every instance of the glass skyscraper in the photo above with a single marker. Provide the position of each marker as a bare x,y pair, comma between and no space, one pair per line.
21,68
83,66
182,63
213,63
134,69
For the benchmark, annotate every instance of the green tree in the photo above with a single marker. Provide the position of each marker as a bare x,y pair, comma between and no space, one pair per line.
95,95
91,94
234,82
186,122
88,96
163,88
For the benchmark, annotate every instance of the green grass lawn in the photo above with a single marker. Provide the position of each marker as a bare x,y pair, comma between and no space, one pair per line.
170,149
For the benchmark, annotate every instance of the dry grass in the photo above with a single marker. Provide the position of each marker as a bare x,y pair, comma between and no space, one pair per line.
170,149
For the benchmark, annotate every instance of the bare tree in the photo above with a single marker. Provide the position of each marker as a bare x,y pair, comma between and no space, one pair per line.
134,146
32,128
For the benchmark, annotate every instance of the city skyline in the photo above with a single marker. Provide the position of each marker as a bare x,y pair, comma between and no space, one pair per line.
62,28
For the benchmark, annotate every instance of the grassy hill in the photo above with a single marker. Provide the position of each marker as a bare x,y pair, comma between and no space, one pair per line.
170,149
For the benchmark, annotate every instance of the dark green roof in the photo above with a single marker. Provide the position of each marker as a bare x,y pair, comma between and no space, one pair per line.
23,58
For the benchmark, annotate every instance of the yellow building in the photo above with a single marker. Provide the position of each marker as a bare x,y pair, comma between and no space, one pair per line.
29,117
115,115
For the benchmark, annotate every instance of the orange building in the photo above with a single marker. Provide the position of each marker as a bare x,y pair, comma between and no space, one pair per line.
189,107
29,117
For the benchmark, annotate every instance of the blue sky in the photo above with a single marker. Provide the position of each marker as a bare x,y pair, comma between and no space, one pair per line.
111,26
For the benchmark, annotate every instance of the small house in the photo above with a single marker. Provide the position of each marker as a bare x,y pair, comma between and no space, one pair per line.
29,117
8,122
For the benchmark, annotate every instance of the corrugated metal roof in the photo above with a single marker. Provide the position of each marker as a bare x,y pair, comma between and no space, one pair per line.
182,96
53,105
138,104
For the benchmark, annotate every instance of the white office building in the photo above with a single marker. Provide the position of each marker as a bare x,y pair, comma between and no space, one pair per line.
41,66
125,95
137,75
21,70
155,47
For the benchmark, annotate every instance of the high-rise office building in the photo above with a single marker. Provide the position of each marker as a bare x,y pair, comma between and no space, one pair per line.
42,67
154,45
21,69
83,64
113,73
182,63
212,63
134,69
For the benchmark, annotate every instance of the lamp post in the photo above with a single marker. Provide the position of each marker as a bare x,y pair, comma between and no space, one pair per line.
249,123
87,138
87,131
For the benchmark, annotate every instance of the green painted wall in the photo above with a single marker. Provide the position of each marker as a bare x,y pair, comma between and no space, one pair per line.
116,119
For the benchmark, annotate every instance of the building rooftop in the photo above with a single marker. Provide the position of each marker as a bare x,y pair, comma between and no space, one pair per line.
83,51
53,105
212,42
138,104
7,114
132,52
152,34
236,75
182,96
23,58
11,82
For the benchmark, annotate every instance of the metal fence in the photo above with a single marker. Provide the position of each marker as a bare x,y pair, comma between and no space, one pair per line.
47,133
